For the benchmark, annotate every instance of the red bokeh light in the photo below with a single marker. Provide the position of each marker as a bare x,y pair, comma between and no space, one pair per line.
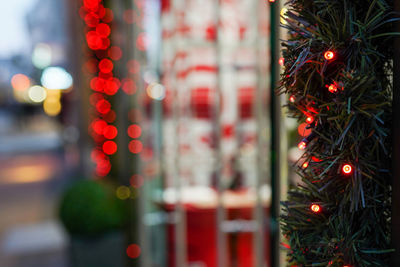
106,65
110,132
92,19
133,251
347,169
328,55
109,16
128,86
98,126
302,145
91,65
133,66
20,82
93,40
315,208
115,53
105,43
109,147
110,116
103,30
103,106
91,4
129,16
281,61
134,131
292,99
136,181
302,130
135,146
142,42
305,165
111,86
97,155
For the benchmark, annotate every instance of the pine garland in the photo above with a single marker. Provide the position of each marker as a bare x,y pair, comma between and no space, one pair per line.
340,215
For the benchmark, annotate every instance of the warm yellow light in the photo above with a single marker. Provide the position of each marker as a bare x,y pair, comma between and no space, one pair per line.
37,94
52,108
123,192
283,15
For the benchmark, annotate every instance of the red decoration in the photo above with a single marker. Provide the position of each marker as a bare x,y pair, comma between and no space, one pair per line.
329,55
310,119
103,30
302,145
109,147
305,165
135,146
347,169
281,61
106,65
133,251
134,131
332,88
315,208
292,99
103,106
110,132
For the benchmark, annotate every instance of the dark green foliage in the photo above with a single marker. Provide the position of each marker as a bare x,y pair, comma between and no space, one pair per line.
91,208
352,126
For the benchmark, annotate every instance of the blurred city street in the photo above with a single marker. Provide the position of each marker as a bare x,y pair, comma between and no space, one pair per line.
32,174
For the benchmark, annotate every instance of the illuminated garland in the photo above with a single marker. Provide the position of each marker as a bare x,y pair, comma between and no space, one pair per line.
337,67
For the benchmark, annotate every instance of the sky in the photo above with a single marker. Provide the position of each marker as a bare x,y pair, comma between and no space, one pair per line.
14,36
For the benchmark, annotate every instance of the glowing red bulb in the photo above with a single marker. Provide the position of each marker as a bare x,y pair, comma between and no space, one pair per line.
134,131
292,99
332,88
315,208
305,165
135,146
271,1
109,147
302,145
110,132
347,169
329,55
310,119
106,65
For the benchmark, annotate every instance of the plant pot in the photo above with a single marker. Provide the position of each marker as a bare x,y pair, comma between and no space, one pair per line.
107,250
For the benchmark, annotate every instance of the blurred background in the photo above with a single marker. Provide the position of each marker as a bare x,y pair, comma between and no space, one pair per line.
142,133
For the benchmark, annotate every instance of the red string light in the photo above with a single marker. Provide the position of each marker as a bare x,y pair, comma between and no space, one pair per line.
305,165
310,119
281,61
347,169
332,88
302,145
292,99
315,208
109,147
329,55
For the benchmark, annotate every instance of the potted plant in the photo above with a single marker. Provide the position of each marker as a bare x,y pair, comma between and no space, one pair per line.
94,217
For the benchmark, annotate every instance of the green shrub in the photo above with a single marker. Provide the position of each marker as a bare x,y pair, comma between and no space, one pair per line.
91,208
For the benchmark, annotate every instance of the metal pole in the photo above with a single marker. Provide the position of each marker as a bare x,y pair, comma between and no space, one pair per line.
275,113
396,146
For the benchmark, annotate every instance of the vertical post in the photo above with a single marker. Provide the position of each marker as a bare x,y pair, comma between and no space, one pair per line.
220,218
275,113
396,145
